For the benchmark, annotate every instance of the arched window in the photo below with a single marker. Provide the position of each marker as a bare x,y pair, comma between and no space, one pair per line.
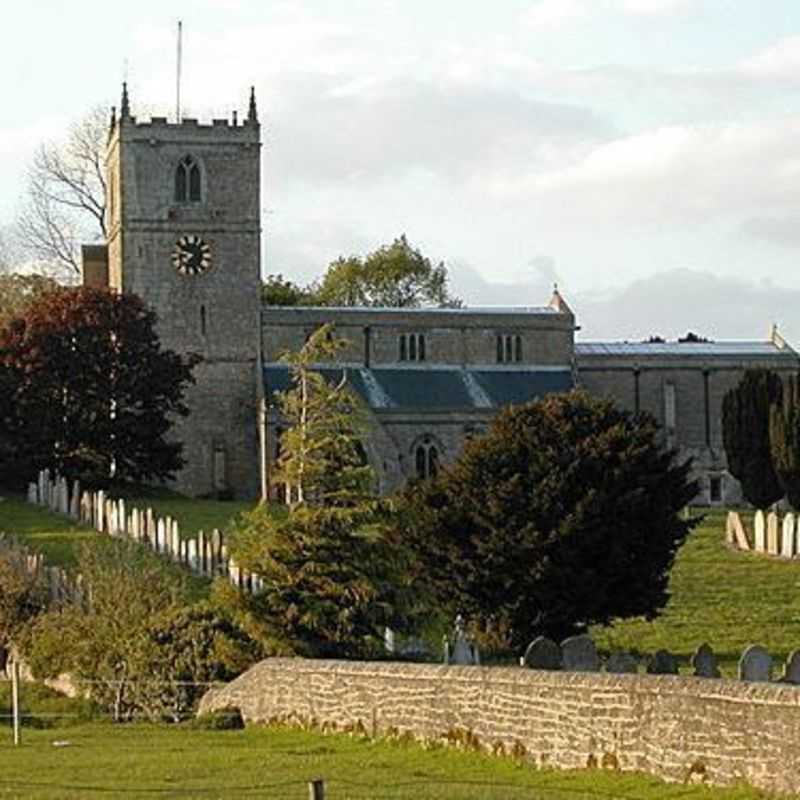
188,187
426,458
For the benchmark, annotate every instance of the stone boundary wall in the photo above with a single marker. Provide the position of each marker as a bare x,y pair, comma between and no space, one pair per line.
678,728
771,534
205,554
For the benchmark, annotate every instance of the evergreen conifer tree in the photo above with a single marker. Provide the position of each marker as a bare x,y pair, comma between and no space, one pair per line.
746,435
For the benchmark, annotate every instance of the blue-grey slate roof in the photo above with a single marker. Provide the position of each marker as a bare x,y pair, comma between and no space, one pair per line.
436,389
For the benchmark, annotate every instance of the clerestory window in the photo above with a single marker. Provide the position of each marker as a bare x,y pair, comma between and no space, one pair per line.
188,188
509,348
412,347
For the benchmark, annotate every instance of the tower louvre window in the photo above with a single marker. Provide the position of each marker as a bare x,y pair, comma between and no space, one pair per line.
188,184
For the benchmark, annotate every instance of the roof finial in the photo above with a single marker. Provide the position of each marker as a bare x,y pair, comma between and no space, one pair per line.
252,113
125,108
113,122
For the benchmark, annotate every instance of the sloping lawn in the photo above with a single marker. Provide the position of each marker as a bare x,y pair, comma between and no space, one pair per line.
724,597
59,537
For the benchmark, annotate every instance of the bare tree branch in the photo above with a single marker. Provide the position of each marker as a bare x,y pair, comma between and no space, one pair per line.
65,202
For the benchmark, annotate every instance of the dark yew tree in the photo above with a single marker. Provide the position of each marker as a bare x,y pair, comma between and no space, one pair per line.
784,437
746,435
564,514
88,390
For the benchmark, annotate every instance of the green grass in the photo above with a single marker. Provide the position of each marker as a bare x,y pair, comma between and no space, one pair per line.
58,538
55,536
727,598
137,761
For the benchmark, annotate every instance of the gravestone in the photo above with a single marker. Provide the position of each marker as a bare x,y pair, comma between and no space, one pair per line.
772,534
791,669
755,664
622,663
542,653
464,652
662,662
705,663
788,548
760,532
579,654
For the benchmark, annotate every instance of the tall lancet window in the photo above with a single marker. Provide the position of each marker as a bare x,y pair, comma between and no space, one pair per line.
187,181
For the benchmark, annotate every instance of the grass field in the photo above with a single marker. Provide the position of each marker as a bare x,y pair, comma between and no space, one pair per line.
139,761
727,598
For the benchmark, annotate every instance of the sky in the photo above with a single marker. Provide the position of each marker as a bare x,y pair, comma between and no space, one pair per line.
642,154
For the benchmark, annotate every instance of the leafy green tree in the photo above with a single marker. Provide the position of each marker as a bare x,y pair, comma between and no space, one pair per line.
135,637
334,577
22,595
395,275
564,514
784,438
746,435
90,390
279,291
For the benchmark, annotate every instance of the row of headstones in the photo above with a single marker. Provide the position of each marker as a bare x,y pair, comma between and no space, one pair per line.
770,535
204,555
579,654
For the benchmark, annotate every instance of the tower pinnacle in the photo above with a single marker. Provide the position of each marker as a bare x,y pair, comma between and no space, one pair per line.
125,107
252,112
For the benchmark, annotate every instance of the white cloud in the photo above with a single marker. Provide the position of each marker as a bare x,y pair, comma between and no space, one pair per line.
549,15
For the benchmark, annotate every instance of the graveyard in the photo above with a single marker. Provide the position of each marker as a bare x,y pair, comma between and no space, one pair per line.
727,598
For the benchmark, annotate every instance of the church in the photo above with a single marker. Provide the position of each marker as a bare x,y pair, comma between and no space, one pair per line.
184,233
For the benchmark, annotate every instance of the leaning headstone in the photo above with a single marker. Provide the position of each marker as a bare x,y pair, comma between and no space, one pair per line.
579,654
791,669
755,664
788,548
705,662
760,532
772,534
622,663
542,653
662,662
740,537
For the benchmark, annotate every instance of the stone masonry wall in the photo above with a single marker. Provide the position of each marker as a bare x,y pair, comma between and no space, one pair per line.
675,727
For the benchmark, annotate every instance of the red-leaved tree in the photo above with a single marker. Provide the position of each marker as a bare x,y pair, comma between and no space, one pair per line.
87,389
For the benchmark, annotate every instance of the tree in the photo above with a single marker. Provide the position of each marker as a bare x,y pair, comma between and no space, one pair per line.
22,594
746,435
395,275
784,439
89,389
279,291
65,202
564,514
18,291
334,577
135,637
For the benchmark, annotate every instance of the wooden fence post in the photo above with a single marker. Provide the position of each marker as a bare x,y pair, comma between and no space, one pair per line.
15,699
316,789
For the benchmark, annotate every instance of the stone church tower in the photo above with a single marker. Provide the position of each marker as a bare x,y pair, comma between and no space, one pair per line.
184,234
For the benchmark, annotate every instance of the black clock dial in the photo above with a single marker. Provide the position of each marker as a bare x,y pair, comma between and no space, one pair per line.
191,256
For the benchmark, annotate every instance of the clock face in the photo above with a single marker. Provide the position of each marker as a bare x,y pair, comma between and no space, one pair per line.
191,256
